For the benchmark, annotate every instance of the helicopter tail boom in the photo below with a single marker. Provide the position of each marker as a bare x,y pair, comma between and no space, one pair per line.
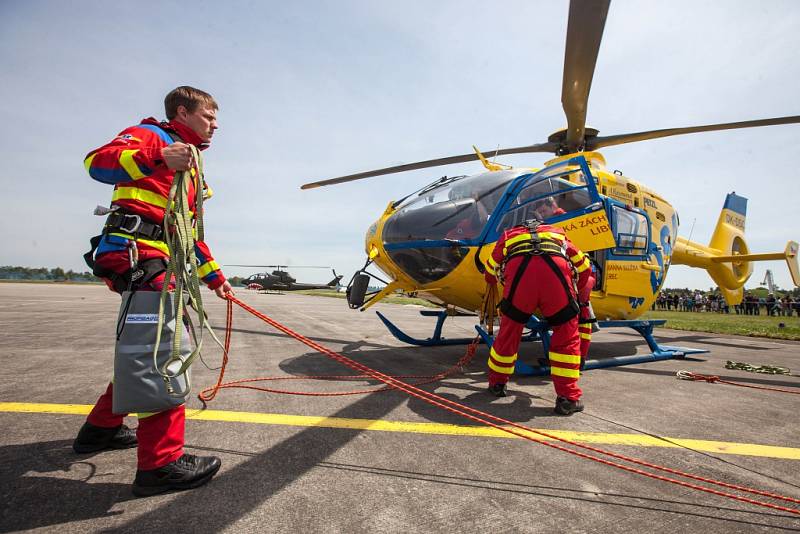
725,257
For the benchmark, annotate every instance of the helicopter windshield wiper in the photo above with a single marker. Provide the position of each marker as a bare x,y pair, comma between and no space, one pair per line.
425,189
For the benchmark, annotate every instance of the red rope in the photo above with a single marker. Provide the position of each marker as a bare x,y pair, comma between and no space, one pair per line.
711,379
524,432
211,392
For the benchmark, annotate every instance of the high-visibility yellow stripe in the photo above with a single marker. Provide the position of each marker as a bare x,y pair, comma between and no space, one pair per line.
502,359
503,370
552,235
586,336
135,193
565,358
207,267
382,425
130,166
88,161
517,239
585,265
491,262
577,257
566,373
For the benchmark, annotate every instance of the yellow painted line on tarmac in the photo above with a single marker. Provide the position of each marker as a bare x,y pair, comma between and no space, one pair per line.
633,440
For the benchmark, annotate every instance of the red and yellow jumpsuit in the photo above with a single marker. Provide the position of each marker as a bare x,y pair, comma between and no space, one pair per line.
132,161
540,288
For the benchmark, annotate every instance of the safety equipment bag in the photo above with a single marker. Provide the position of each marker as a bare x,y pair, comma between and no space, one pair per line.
138,385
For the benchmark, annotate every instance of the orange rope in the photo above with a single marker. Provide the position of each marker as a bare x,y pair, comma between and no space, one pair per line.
688,375
211,392
526,432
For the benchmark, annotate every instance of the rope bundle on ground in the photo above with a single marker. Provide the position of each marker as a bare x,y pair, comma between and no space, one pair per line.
711,379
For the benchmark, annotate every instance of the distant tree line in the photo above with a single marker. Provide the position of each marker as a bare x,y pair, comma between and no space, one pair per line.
56,274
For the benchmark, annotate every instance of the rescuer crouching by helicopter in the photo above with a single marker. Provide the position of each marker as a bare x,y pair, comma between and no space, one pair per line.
541,270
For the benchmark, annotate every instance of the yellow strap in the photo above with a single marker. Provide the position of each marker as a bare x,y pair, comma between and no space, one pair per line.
206,268
502,359
566,373
565,358
552,235
130,165
159,245
503,370
88,161
143,195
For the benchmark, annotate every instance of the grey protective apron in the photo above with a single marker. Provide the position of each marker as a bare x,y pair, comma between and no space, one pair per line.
138,387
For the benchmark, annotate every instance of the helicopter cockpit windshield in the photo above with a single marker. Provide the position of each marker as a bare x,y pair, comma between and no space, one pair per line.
456,209
423,234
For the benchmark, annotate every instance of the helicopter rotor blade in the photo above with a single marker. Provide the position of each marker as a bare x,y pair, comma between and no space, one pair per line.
587,19
281,266
541,147
611,140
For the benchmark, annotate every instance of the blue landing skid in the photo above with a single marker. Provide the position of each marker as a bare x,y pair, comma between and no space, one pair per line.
645,329
539,331
437,338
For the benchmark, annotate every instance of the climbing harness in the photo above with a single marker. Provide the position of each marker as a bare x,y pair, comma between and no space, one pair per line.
530,434
544,245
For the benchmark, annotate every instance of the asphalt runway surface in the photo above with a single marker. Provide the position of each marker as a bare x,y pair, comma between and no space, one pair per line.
387,462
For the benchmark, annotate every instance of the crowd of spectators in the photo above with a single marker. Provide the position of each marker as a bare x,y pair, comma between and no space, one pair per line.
697,301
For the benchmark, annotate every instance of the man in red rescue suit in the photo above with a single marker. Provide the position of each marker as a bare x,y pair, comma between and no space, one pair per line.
542,270
141,162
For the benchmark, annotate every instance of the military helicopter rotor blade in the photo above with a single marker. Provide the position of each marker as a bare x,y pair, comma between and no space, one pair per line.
587,19
541,147
611,140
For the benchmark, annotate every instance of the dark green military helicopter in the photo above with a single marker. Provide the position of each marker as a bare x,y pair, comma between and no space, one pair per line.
280,280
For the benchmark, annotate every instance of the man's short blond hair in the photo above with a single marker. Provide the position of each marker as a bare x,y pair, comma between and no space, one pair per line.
188,97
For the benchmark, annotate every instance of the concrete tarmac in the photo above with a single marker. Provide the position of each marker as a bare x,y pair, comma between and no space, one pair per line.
386,462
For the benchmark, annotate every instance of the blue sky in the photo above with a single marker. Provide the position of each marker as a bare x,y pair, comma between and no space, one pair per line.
313,90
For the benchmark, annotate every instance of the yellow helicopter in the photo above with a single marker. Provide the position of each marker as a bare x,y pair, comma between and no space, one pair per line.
434,242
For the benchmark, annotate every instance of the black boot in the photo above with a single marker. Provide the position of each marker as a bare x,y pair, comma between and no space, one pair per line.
186,472
93,438
498,390
567,407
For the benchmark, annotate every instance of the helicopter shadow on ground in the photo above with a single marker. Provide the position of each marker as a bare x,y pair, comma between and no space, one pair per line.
50,473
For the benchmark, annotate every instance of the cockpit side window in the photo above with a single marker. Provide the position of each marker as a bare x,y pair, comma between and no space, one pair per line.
630,231
546,199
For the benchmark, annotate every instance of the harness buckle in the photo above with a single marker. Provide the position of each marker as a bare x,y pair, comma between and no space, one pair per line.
135,226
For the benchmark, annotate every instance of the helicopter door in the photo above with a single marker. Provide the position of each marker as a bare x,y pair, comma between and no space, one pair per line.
560,195
625,270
